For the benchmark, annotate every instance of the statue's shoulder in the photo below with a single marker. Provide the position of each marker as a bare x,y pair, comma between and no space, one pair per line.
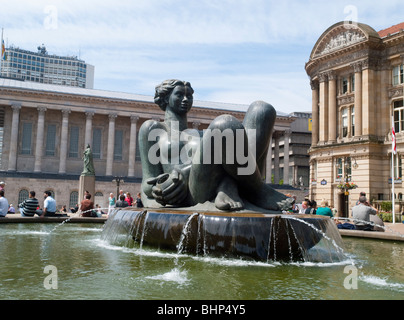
150,125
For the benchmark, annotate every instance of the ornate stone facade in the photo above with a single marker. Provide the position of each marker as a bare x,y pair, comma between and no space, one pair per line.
357,86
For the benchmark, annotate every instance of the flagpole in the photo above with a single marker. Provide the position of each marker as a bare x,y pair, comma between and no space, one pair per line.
393,150
1,58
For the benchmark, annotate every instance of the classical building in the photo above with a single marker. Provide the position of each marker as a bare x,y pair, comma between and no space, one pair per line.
45,128
42,67
357,86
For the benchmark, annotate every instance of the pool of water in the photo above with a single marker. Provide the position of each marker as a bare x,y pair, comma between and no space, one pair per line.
85,267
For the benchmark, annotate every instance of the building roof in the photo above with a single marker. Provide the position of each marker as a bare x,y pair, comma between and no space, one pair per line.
96,93
392,30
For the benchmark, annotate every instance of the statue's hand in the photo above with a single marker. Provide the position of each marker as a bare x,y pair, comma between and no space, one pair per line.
169,188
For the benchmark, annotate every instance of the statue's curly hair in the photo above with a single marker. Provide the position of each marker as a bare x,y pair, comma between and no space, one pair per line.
164,90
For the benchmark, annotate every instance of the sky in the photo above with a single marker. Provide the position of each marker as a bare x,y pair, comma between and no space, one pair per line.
232,51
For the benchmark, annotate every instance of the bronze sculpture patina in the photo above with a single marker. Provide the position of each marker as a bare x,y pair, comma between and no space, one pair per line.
88,168
182,167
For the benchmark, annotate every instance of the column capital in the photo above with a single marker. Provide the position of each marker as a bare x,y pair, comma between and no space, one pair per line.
16,106
288,132
65,112
112,116
41,109
314,84
134,119
331,75
322,77
357,66
89,114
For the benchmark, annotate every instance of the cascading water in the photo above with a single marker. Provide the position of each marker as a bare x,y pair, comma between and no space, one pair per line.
259,237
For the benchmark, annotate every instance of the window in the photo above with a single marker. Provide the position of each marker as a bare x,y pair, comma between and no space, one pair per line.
97,136
74,142
22,195
345,122
353,121
50,140
353,83
26,138
344,85
398,75
343,169
118,145
74,199
398,115
397,167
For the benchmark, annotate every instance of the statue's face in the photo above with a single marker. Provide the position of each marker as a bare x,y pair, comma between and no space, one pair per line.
180,100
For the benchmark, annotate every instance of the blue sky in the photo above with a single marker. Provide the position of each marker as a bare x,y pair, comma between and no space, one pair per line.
234,51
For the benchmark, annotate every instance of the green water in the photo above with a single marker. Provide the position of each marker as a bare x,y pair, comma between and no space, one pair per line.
88,268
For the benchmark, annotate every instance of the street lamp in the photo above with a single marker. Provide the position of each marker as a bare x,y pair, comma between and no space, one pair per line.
118,181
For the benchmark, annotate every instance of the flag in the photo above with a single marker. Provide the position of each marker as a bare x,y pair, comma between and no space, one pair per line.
393,143
3,51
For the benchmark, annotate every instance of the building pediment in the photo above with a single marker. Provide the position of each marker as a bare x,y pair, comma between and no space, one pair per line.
342,35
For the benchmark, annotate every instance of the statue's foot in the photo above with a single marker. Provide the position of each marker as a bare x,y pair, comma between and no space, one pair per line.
270,199
286,204
227,203
227,197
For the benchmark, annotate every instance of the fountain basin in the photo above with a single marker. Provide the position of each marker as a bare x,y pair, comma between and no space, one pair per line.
247,235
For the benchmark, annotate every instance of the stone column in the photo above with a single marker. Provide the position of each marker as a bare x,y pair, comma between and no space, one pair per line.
323,112
39,139
63,141
276,157
268,168
132,145
12,160
89,128
111,141
286,137
358,98
332,107
314,117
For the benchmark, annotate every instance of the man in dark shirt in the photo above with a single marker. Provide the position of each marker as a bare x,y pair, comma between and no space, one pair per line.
28,208
87,206
121,203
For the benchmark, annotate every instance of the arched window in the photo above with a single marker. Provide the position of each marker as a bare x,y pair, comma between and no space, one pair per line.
23,195
74,199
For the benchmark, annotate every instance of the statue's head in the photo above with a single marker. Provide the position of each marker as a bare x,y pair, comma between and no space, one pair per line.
175,94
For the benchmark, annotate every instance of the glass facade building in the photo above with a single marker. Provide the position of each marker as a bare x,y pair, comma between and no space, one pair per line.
48,69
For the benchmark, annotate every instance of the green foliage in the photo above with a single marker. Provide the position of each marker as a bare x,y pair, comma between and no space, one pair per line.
388,216
386,206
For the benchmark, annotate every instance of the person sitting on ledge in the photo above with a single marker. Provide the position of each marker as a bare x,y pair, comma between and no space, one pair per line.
180,168
87,207
28,208
49,206
361,214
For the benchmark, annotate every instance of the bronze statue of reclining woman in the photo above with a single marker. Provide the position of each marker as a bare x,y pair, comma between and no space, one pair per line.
182,167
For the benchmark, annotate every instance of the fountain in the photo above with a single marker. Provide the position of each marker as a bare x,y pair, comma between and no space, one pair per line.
248,235
204,194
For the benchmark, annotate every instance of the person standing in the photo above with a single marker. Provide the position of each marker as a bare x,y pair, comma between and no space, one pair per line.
3,204
28,208
121,203
111,202
129,199
139,203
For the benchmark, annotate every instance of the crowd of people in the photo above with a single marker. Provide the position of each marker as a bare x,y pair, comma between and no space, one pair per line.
361,212
31,206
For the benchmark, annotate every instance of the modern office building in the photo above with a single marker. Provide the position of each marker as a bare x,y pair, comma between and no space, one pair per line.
45,68
46,128
357,87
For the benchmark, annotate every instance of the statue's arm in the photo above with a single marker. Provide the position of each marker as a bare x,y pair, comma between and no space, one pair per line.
149,170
